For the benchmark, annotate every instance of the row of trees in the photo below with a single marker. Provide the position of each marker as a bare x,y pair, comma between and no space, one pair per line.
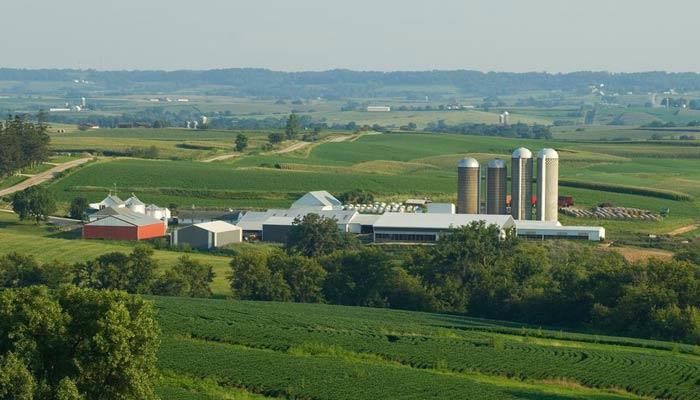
22,144
517,130
471,272
136,273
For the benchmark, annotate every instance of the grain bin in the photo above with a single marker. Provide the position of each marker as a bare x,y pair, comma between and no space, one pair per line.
496,178
468,186
521,184
547,185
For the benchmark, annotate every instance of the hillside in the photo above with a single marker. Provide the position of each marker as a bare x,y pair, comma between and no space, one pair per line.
212,349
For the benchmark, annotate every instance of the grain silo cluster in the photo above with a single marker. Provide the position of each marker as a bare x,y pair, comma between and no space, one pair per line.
495,195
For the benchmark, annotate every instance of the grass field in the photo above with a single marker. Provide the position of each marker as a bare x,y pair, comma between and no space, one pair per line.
396,166
27,238
332,352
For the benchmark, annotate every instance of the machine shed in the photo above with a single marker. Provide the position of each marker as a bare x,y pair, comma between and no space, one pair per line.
208,235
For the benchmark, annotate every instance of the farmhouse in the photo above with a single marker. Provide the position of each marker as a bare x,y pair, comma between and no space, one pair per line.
208,235
123,224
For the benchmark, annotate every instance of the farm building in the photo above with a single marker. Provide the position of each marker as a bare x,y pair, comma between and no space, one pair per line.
378,108
208,235
554,230
132,204
123,224
426,228
188,217
321,200
441,208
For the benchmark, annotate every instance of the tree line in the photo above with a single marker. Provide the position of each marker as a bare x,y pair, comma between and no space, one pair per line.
517,130
353,84
469,271
23,144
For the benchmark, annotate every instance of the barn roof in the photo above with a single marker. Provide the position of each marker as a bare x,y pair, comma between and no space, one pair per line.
440,221
320,198
111,216
217,226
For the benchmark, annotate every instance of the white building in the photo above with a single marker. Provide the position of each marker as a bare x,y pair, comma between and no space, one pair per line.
555,230
427,228
441,208
132,204
321,200
378,108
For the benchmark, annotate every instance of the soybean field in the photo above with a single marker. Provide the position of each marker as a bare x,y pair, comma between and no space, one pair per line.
308,351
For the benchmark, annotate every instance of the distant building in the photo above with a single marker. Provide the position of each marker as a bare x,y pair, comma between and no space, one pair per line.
132,204
427,228
441,208
319,199
208,235
378,108
554,230
123,224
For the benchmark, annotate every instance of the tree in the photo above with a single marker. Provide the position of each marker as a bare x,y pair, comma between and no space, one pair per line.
304,276
22,144
314,236
252,279
17,270
356,196
241,142
275,138
33,203
359,278
291,129
77,344
133,273
77,208
187,278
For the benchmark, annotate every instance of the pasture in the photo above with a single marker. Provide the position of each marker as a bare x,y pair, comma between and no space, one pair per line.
292,350
397,166
27,237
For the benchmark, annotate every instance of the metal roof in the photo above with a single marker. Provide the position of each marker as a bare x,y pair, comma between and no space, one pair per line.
497,163
548,153
217,226
533,224
522,152
440,221
123,216
320,198
468,162
134,201
254,220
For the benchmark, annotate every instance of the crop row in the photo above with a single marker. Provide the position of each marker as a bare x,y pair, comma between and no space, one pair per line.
420,344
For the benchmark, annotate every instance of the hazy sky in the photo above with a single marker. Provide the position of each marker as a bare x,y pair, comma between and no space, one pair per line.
504,35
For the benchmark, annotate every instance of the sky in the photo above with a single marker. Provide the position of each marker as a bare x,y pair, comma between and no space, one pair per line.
383,35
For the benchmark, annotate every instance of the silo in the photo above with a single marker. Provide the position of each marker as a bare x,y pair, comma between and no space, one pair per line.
521,184
496,178
547,185
468,185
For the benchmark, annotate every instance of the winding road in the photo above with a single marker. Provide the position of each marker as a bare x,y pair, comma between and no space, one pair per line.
44,176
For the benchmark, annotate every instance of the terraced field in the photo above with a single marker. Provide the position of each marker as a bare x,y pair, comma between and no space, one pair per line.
332,352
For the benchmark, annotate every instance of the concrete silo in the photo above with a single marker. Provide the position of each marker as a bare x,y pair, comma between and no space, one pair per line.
496,179
547,185
468,186
521,184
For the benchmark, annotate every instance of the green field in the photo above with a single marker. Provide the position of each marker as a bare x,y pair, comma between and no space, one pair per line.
332,352
396,166
27,238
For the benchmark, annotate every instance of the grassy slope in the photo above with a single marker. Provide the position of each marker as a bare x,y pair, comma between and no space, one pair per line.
27,237
332,352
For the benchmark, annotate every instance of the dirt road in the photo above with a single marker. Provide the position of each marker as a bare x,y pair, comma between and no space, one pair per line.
221,158
43,177
684,229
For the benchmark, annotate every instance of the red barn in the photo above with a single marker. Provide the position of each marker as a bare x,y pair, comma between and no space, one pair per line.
124,225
